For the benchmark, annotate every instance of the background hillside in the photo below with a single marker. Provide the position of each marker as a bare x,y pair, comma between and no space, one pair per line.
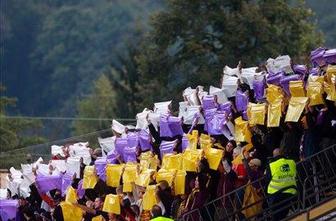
81,58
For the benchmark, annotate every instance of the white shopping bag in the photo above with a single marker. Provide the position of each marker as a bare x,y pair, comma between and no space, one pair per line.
55,150
281,63
230,85
142,122
60,165
118,127
73,166
107,144
162,107
219,92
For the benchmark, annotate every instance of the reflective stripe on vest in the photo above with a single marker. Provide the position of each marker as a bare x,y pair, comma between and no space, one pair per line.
283,172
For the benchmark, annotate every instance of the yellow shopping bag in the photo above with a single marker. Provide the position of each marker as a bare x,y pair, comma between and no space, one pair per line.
252,202
190,159
172,161
90,177
112,204
248,147
314,92
71,196
237,160
242,131
193,139
129,176
295,108
179,182
149,198
71,212
205,141
214,157
330,89
331,72
167,175
319,79
113,174
148,162
273,93
296,89
98,218
146,155
274,114
144,178
257,113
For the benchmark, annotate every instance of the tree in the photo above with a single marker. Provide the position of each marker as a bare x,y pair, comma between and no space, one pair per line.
326,18
15,133
192,40
100,104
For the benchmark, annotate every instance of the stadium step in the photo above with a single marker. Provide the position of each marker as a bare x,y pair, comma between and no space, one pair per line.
324,211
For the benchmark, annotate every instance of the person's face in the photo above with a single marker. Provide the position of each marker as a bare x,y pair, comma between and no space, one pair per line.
97,203
111,216
196,183
235,154
229,147
253,167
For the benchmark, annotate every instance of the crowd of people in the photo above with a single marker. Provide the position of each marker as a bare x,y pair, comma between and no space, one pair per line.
166,166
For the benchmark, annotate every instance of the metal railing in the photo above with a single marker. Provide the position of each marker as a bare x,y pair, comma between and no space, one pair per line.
316,183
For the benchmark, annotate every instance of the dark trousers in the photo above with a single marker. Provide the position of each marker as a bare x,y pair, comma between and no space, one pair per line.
280,203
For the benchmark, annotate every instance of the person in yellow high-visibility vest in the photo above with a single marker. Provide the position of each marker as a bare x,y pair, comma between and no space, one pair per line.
156,214
281,188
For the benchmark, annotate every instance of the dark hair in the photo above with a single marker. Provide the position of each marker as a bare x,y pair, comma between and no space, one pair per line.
202,181
156,211
126,203
204,166
233,142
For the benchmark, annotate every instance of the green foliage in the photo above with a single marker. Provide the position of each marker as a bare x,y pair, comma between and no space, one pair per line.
114,95
326,19
192,39
100,104
14,132
63,46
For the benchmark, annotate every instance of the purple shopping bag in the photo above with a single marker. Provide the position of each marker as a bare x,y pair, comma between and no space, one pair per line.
316,57
244,115
330,56
132,139
208,102
80,190
66,182
274,78
112,157
167,147
259,89
145,140
185,142
175,126
130,154
47,183
170,126
241,101
121,143
216,122
164,127
314,71
100,165
285,82
227,108
300,69
8,209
